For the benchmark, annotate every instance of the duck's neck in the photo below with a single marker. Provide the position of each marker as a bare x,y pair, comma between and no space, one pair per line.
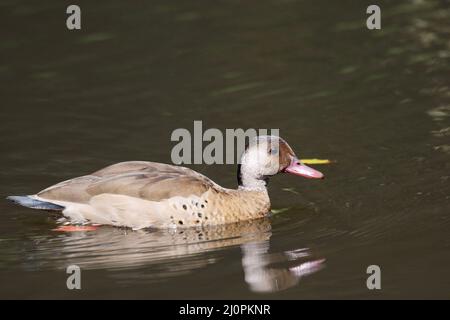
248,180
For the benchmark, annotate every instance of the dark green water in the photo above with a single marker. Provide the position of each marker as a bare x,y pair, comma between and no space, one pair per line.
378,102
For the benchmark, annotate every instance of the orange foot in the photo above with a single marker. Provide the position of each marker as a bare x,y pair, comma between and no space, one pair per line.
70,228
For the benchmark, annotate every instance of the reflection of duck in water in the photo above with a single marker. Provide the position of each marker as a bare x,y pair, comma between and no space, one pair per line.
262,278
147,194
174,252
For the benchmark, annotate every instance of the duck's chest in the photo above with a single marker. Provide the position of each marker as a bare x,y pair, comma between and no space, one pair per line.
217,208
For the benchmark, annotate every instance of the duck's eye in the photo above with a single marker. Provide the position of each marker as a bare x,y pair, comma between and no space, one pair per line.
273,151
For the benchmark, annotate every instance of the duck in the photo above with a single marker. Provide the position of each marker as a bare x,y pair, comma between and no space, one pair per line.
143,194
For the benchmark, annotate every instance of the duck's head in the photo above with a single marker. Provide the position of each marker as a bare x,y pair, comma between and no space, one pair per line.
266,156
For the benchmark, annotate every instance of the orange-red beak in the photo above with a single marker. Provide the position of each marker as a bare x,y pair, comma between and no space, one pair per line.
299,169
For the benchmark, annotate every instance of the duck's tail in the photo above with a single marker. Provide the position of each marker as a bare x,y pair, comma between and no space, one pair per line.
29,202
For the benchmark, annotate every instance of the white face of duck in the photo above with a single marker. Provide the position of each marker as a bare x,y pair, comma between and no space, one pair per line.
267,156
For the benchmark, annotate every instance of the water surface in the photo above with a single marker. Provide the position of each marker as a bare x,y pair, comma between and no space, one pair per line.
378,102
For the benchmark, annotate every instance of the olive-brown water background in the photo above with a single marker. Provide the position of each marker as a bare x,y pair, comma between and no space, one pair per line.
377,101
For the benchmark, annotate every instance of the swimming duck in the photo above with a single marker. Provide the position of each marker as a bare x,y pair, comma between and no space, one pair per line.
140,194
